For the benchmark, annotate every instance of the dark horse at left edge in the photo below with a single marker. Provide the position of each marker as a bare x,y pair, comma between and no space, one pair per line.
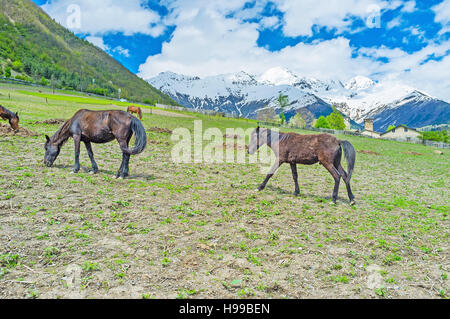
12,117
98,127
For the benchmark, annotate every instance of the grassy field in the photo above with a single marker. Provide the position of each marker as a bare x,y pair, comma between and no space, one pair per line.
200,231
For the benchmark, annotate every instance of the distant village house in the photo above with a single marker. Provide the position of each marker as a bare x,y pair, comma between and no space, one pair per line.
368,129
402,132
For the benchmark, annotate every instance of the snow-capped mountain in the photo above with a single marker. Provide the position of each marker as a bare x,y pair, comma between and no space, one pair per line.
359,83
239,93
244,94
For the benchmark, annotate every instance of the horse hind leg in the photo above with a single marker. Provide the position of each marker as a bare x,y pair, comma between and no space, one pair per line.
124,166
337,178
91,157
347,184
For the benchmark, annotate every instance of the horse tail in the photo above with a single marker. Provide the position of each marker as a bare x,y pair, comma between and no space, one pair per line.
350,156
140,137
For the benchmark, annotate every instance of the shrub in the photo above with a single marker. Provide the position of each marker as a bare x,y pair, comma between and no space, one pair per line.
282,118
44,81
8,72
322,123
335,120
17,66
297,121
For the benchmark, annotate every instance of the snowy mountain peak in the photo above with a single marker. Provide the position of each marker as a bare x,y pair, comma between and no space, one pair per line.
241,93
359,83
416,94
278,76
242,78
171,76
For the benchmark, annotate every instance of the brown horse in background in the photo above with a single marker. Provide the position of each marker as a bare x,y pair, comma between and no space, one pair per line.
98,127
296,149
135,109
13,118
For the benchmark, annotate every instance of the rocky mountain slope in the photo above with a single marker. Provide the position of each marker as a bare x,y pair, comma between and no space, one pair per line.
244,94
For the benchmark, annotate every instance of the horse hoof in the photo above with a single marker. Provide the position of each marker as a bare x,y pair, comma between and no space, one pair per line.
352,203
333,203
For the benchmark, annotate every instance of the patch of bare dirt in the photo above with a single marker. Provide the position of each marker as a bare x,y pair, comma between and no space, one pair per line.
6,130
159,130
51,122
155,142
369,152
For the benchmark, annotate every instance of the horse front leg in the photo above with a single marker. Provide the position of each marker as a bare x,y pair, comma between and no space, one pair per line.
77,140
295,177
91,157
269,176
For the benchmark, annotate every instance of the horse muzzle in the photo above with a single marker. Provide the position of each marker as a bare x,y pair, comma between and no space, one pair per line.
48,163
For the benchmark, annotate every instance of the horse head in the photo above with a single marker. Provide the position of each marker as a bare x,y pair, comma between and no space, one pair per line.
51,152
14,121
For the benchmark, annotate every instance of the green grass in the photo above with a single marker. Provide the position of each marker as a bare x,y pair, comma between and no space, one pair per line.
200,231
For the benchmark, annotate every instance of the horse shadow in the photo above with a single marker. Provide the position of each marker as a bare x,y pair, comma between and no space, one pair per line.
302,194
87,170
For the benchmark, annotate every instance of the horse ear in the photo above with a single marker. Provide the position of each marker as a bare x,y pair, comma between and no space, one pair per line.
48,138
17,114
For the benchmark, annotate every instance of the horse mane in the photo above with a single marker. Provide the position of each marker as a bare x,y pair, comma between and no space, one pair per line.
59,135
281,136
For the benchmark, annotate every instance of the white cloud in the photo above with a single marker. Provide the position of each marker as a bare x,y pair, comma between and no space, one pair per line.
122,51
394,23
409,6
442,11
419,69
107,16
270,22
301,16
98,42
205,42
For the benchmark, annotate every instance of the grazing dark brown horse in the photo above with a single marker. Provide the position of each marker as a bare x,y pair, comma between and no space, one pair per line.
296,149
98,127
135,109
13,118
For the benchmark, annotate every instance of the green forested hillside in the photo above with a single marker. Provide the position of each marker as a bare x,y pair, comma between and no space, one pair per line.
34,47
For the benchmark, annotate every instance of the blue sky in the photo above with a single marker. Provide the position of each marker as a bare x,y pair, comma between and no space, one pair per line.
405,41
